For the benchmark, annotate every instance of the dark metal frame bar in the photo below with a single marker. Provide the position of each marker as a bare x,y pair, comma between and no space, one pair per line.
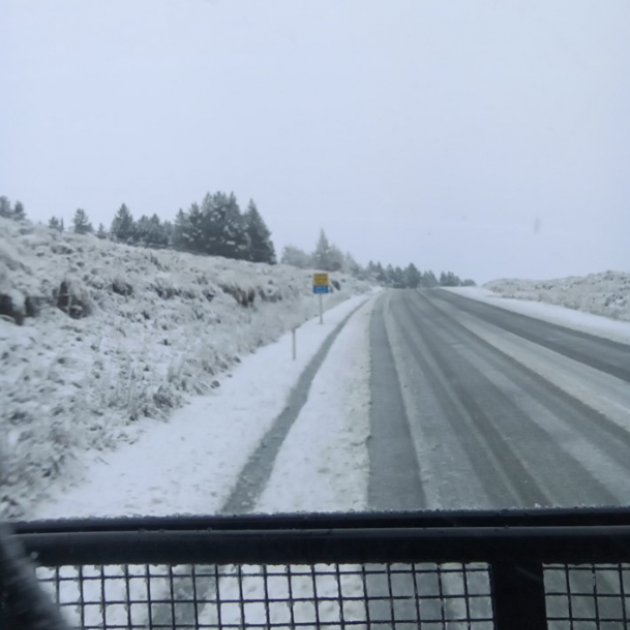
515,545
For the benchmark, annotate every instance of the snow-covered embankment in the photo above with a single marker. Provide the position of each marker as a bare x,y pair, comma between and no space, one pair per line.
99,342
597,304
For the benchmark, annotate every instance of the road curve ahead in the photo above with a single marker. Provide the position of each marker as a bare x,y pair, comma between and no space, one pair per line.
477,407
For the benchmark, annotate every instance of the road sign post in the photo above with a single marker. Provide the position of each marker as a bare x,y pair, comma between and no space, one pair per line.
321,285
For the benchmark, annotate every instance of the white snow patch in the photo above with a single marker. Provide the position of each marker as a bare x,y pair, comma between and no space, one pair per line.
323,464
562,312
151,329
191,464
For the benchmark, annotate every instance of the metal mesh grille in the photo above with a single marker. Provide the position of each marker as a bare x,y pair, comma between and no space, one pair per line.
588,596
403,596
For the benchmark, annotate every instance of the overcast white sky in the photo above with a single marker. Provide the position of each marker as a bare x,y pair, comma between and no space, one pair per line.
438,132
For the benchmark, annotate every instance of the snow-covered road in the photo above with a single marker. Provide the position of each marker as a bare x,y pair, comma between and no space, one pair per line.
493,409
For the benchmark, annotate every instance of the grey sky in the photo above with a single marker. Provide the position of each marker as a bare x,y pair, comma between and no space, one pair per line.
435,132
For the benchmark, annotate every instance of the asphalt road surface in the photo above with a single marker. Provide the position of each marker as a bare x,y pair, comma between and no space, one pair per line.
477,407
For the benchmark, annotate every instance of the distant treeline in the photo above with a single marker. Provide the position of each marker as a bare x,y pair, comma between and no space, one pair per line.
12,211
329,257
218,227
214,227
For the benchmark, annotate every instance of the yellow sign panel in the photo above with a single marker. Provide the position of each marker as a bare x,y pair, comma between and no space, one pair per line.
320,280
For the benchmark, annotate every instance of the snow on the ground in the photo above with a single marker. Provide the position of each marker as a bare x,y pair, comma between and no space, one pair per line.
598,304
191,464
606,293
114,339
323,465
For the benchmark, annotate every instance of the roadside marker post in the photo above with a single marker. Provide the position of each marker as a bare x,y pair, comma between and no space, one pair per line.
321,286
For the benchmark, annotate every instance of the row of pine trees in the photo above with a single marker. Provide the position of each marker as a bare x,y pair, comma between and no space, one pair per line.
12,211
329,257
412,278
218,227
214,227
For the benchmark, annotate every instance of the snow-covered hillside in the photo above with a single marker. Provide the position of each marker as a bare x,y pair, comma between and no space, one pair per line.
606,294
100,341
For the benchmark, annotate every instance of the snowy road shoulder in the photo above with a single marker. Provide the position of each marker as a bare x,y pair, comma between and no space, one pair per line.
190,464
323,465
597,325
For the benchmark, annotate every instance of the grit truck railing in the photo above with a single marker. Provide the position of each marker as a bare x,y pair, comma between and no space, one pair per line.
509,570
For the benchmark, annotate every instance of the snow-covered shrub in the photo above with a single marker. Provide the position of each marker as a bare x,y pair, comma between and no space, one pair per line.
606,293
73,299
146,330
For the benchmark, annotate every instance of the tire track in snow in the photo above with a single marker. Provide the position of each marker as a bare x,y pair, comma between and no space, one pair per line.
250,484
571,428
505,479
393,458
598,352
257,470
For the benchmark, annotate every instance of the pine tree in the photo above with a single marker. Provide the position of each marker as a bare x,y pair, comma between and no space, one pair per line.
222,227
150,232
167,234
81,223
335,259
449,279
412,276
101,233
381,275
429,280
389,275
19,213
5,208
142,231
296,257
236,237
261,246
398,278
198,230
55,224
158,236
123,227
351,266
321,255
181,231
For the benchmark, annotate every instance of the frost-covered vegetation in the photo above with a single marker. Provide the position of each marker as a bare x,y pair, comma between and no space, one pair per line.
100,340
215,227
606,293
329,257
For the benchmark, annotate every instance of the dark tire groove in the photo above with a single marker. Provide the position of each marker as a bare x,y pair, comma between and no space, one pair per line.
393,459
257,470
602,354
612,438
512,481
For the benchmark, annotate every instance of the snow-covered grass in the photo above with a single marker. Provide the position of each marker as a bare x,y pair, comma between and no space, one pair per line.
598,304
335,423
606,293
113,339
192,463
